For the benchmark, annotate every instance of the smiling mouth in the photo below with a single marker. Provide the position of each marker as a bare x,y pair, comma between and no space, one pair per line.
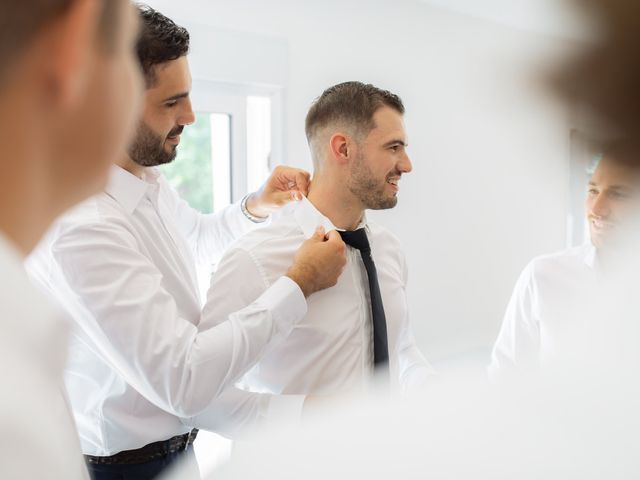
601,225
175,133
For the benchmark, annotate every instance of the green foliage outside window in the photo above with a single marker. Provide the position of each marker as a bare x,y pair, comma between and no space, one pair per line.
191,172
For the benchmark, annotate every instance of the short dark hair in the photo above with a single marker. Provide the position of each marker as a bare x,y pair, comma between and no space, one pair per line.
20,21
161,41
353,103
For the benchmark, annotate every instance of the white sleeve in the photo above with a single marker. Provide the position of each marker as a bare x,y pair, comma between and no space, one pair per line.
518,344
134,324
208,235
413,367
237,282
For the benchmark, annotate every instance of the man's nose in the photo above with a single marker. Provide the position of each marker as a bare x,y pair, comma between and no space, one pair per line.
600,206
187,116
405,165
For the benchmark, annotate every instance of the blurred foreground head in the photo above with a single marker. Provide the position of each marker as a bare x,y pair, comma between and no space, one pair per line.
70,86
604,79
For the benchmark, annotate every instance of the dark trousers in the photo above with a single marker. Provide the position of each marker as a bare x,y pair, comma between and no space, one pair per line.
150,470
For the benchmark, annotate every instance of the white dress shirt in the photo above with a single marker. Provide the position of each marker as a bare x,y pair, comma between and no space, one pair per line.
331,350
39,438
123,265
545,319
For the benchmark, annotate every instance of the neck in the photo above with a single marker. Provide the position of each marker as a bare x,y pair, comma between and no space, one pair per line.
612,257
336,202
130,166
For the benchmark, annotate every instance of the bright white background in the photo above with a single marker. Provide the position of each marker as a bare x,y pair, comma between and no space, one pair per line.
490,185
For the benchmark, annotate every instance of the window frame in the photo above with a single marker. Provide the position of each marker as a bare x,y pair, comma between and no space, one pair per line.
230,99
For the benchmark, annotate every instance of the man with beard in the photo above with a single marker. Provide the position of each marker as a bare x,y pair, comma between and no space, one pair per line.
359,330
123,266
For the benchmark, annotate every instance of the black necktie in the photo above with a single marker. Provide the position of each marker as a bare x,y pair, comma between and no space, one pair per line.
358,239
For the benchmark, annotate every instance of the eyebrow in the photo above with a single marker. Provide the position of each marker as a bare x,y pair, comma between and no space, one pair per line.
613,187
396,142
176,97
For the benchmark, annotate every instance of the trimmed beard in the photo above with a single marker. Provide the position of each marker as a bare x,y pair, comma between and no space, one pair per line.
368,189
148,149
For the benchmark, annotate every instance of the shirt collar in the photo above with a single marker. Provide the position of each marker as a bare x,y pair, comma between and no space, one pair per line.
127,189
591,257
309,218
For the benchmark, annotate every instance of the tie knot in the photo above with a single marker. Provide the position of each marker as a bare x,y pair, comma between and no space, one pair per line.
356,239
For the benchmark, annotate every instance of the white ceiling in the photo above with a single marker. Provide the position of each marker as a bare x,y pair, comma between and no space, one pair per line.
549,17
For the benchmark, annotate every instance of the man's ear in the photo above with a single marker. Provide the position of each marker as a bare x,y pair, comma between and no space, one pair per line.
339,145
70,45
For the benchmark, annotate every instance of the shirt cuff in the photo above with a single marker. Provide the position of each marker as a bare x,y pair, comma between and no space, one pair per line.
286,302
285,410
246,224
243,222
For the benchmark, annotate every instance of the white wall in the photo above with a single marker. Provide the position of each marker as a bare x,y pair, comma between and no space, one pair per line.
489,188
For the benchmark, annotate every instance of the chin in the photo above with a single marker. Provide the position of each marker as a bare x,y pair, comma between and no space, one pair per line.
384,204
597,241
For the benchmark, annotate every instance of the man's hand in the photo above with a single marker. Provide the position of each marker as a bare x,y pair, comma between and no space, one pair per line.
285,184
319,262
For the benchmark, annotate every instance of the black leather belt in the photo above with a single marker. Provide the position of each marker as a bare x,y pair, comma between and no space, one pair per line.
153,451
